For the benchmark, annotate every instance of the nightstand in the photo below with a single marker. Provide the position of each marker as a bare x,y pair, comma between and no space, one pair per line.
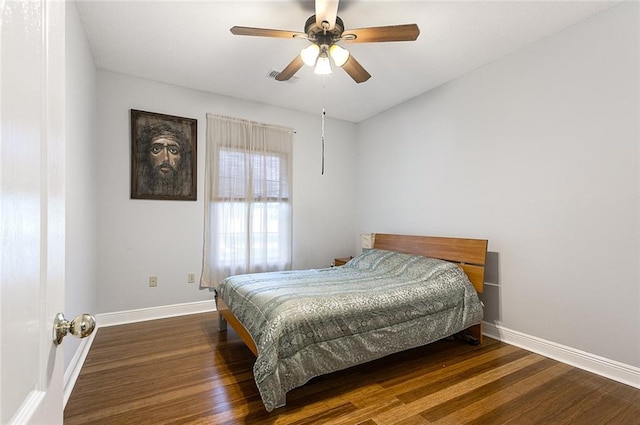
341,261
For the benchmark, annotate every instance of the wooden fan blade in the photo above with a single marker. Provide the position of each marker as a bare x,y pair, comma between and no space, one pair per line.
266,32
326,10
408,32
291,69
355,70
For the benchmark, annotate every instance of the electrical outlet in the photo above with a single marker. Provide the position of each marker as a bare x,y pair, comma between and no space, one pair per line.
153,280
191,277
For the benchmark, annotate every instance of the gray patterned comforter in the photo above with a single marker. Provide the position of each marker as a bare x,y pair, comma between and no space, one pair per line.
312,322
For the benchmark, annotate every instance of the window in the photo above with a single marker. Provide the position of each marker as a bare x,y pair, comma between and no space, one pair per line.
252,208
248,198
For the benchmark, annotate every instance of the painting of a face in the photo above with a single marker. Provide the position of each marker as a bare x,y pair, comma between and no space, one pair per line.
165,156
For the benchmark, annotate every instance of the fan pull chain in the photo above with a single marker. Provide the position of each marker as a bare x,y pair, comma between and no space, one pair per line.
323,114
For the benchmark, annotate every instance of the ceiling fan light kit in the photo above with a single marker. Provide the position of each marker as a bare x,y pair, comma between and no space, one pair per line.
323,64
310,54
324,30
317,56
339,55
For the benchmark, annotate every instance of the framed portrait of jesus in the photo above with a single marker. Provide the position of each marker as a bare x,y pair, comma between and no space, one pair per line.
163,156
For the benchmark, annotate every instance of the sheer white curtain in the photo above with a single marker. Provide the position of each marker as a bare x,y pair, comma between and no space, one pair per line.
247,220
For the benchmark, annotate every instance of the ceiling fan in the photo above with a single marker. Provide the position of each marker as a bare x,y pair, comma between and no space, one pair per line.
325,30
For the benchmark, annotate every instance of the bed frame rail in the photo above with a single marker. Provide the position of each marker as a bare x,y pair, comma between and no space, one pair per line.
226,317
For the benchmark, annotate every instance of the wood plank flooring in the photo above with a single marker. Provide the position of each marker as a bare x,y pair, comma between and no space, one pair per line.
183,371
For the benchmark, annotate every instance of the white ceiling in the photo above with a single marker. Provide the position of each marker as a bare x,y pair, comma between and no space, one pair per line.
188,43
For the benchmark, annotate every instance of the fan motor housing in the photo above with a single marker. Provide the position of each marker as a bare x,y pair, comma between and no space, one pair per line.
314,32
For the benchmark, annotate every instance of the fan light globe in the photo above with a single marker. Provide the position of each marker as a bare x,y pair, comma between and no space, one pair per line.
339,55
323,66
310,54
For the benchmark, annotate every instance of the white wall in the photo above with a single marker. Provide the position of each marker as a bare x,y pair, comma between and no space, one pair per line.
81,177
538,153
140,238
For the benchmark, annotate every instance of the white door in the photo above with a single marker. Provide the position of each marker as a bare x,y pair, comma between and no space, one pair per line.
31,209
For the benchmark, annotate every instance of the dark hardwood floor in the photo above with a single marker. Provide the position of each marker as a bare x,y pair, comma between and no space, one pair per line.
182,371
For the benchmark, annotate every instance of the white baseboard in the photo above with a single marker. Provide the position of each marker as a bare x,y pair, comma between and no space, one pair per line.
28,410
153,313
72,371
626,374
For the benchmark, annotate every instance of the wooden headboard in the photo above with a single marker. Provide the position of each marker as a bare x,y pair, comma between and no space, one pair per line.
469,254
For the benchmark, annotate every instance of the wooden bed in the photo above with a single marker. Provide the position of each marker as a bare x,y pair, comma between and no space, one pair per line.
469,254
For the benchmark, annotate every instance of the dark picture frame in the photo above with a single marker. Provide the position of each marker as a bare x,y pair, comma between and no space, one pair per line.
163,156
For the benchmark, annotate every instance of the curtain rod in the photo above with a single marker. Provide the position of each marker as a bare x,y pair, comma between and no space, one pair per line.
240,120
